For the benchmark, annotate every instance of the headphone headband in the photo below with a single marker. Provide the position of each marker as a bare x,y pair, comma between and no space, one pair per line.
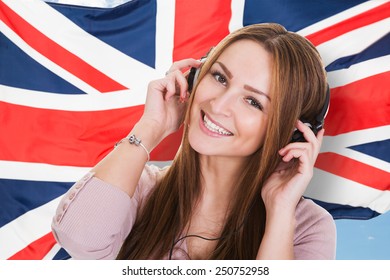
321,117
194,72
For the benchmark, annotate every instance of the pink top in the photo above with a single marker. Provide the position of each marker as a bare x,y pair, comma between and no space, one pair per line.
94,217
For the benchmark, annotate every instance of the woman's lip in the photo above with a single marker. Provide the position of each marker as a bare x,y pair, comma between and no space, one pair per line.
210,132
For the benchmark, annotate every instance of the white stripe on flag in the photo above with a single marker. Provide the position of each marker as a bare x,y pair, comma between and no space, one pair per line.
165,26
330,188
359,71
70,102
50,255
237,9
353,138
344,15
30,171
29,227
352,42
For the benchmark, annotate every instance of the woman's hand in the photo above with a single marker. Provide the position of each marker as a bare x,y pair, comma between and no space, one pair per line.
284,188
166,99
282,192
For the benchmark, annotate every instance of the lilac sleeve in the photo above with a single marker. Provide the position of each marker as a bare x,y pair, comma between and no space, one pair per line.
315,233
94,217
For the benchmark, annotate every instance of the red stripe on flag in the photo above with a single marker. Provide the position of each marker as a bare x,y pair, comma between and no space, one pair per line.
359,105
67,138
196,32
167,149
56,53
36,250
354,170
62,137
374,15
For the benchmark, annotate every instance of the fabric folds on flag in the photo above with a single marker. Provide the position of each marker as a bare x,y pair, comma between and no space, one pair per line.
73,82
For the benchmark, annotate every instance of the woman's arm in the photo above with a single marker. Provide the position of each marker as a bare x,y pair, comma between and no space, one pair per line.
164,111
123,166
98,212
278,238
282,193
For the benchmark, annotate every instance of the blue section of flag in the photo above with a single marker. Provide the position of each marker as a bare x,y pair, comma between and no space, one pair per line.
20,196
24,72
380,149
346,211
61,255
378,49
120,27
294,15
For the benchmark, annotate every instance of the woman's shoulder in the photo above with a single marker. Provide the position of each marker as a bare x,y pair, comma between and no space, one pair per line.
307,203
309,213
315,232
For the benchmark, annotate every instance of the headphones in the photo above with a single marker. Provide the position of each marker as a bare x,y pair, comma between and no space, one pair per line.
297,135
194,73
319,121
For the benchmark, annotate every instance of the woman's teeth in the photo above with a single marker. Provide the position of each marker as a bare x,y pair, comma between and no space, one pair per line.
215,128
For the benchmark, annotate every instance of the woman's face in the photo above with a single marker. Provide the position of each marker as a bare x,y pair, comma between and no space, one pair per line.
229,113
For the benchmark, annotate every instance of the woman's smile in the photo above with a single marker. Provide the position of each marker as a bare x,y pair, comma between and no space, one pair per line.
211,127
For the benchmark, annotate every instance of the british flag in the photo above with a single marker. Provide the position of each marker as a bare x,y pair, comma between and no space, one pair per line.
73,81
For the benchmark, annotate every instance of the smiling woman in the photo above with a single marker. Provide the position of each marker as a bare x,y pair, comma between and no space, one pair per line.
234,189
227,96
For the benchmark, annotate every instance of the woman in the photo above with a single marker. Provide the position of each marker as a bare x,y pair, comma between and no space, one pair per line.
234,189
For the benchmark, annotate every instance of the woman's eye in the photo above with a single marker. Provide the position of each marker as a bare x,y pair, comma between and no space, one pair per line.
220,78
255,103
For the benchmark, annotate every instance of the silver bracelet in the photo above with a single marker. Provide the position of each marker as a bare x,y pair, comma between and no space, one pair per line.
136,141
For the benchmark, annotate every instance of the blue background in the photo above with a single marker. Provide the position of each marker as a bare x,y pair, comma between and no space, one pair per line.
364,239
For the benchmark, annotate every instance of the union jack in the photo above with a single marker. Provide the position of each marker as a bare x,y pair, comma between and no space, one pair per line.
73,81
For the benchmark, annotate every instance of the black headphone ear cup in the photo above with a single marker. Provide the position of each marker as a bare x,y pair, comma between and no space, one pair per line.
298,135
191,78
194,73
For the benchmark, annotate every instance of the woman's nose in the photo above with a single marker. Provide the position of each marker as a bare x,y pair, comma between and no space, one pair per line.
223,103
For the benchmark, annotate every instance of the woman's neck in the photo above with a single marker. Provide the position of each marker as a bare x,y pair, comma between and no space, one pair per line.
219,176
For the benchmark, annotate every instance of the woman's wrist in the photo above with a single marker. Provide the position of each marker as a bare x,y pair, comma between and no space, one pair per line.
148,132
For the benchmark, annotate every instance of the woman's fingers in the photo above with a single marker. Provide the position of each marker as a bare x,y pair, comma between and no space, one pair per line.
306,131
176,85
306,152
320,136
313,142
184,64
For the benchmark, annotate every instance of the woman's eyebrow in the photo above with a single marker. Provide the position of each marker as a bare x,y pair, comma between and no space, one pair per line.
225,69
252,89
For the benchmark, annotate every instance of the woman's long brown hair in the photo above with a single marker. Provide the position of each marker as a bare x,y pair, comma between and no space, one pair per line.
298,88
